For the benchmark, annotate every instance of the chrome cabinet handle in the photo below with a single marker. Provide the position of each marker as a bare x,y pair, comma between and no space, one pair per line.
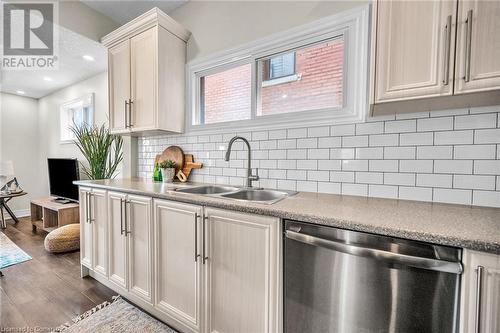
196,255
121,216
90,208
447,42
87,210
468,45
479,287
127,218
130,112
205,257
412,261
126,122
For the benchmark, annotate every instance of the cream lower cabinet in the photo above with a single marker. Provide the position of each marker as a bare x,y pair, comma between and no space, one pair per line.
130,244
178,263
93,230
241,272
216,270
480,310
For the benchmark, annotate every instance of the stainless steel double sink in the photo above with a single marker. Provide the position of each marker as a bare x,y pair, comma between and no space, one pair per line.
237,193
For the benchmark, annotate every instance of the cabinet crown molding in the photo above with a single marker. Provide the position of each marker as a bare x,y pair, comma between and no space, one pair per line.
143,22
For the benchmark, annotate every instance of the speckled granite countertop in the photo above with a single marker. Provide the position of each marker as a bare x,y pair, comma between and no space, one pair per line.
476,228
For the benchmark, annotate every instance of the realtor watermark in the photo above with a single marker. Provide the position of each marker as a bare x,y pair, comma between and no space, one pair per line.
30,35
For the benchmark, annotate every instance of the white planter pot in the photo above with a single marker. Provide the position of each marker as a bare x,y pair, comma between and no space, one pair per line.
167,175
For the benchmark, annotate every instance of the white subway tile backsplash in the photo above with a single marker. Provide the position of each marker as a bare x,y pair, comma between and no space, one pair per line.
384,140
317,132
415,193
333,188
433,180
401,126
342,176
486,198
342,153
416,139
370,153
435,124
476,121
306,143
329,164
487,167
463,197
399,153
487,136
434,152
355,165
369,128
443,156
485,109
399,179
453,138
342,130
295,133
474,182
369,177
329,142
475,152
383,191
355,189
355,141
416,166
453,166
383,165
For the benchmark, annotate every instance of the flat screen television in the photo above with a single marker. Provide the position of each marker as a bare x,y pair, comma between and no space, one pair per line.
62,173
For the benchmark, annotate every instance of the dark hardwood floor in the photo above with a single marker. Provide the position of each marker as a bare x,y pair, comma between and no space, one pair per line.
46,291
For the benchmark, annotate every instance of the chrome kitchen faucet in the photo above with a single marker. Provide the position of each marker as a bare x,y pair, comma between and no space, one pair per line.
250,177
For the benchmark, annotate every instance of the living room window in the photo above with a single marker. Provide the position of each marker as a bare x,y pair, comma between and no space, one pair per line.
311,75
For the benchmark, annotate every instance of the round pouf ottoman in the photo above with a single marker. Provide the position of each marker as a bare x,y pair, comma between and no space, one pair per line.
63,239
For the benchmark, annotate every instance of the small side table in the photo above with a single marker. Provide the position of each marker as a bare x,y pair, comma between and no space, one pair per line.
4,198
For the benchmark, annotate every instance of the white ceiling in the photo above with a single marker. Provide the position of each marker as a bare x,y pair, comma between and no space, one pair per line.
123,11
72,67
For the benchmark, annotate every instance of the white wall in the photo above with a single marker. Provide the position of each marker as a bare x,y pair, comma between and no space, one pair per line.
220,25
19,142
48,108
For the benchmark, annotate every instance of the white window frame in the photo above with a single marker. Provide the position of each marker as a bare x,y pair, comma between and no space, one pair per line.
85,101
353,25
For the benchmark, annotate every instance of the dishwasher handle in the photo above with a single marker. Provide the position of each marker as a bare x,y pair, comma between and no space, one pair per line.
417,262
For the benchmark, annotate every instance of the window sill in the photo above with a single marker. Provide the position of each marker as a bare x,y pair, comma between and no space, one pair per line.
281,80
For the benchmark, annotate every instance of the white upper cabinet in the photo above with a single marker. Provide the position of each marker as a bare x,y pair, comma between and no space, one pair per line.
414,49
478,46
426,57
146,59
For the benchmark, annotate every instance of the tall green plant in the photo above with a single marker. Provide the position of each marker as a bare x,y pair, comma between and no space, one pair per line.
102,150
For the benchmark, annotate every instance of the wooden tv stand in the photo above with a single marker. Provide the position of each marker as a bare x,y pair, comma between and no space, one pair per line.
48,215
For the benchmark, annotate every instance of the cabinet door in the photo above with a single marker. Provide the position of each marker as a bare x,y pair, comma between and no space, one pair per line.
414,49
119,86
478,46
143,54
480,292
85,228
117,240
99,220
138,226
241,272
177,262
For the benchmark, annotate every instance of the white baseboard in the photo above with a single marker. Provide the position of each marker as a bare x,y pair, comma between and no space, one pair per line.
18,213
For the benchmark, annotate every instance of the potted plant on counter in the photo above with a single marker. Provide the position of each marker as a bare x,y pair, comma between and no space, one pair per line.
167,171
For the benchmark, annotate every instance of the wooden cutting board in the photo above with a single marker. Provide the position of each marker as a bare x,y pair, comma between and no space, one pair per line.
189,164
173,153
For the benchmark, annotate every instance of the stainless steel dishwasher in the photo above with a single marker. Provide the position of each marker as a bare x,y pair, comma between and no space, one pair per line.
353,282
